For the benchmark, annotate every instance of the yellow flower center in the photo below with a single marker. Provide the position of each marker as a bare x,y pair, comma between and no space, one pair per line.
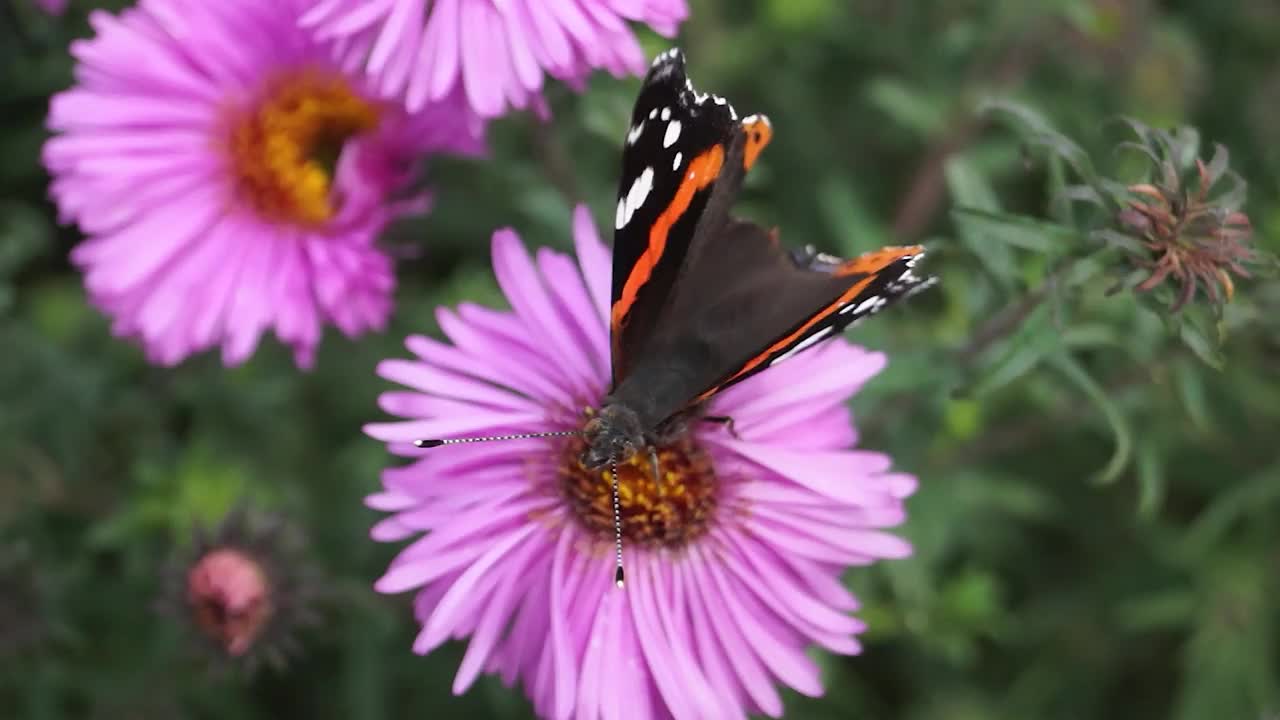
669,512
284,150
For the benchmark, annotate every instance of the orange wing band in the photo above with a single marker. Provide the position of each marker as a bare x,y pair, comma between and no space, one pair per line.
877,260
702,171
869,264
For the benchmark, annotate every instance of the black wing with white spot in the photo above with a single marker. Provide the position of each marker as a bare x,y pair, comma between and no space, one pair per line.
673,159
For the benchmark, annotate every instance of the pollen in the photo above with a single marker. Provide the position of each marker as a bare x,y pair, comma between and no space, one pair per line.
670,510
285,148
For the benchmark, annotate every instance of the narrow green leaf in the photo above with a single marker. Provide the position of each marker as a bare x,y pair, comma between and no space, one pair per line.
1118,239
1149,463
967,185
1034,341
907,106
1189,382
1040,132
1259,493
1119,425
969,189
1018,231
1203,348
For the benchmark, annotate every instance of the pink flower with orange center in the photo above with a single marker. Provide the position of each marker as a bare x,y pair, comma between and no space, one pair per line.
232,177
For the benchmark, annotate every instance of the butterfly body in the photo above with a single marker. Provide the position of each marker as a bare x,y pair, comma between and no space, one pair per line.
702,300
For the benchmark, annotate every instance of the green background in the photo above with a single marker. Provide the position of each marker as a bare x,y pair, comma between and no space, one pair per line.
1096,530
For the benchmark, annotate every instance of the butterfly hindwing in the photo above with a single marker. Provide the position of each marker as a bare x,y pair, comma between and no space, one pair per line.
672,160
846,292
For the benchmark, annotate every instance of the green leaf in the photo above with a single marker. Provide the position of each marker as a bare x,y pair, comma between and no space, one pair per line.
1152,483
1229,662
906,106
1193,337
1120,431
1259,494
968,186
1019,231
1035,340
969,189
1038,131
1119,240
1092,335
1189,383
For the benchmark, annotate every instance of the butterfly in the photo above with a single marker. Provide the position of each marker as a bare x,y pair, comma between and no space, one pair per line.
701,299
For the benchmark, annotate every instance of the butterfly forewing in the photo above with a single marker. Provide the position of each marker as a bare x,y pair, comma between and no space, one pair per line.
672,159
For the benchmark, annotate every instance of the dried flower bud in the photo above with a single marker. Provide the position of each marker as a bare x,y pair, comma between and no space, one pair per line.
245,589
230,598
1189,239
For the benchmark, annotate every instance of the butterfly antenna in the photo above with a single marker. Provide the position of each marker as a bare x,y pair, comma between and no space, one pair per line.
437,442
618,576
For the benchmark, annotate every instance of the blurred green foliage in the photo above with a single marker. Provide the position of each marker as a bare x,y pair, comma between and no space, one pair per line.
1096,529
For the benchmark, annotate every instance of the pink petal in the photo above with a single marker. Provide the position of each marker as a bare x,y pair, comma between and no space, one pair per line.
593,258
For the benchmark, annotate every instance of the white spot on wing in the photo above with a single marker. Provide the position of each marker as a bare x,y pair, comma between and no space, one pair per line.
866,307
675,165
634,134
666,114
653,114
803,344
665,56
636,195
673,134
871,304
620,220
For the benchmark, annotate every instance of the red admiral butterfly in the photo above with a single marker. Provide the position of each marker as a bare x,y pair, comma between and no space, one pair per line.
703,300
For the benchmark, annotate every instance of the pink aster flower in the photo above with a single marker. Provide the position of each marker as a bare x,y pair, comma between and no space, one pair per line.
231,178
497,51
733,561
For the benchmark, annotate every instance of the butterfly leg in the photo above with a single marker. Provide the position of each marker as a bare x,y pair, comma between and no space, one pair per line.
724,420
808,258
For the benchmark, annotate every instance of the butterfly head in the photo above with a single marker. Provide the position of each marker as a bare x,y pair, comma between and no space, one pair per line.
612,435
